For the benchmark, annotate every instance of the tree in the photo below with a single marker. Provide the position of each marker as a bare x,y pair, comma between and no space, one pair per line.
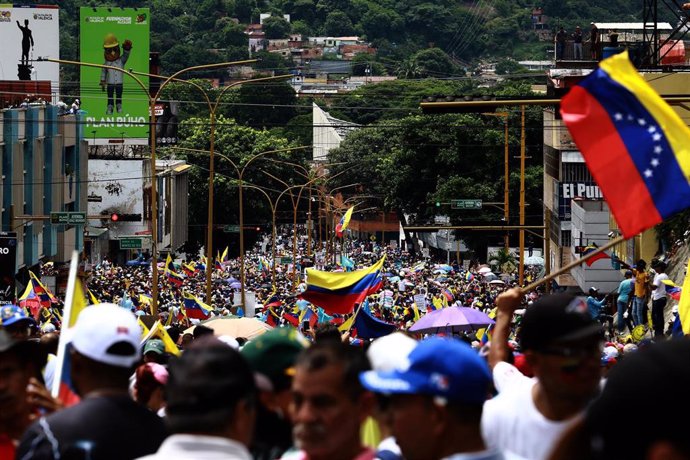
338,24
276,27
408,68
433,62
239,143
263,105
508,66
364,64
503,260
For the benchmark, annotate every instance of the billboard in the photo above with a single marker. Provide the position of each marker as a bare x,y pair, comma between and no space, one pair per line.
27,33
116,105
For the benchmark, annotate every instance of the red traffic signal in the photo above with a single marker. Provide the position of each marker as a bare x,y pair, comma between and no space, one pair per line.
114,217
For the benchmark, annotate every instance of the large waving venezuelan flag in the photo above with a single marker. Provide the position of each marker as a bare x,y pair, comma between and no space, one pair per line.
635,145
338,292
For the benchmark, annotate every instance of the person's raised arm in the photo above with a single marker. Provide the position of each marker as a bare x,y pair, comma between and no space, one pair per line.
506,304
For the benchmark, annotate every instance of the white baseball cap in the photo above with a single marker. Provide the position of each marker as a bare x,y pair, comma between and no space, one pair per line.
100,327
390,352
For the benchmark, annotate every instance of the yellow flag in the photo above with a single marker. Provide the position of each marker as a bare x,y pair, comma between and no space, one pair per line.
347,325
78,302
144,330
684,303
415,310
225,254
170,346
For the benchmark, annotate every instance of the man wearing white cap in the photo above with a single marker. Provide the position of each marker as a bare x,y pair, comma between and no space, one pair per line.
107,423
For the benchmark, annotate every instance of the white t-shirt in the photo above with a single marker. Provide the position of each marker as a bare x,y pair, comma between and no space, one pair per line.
511,421
660,291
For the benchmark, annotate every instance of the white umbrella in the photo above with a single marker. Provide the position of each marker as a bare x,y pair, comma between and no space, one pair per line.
496,282
534,260
484,270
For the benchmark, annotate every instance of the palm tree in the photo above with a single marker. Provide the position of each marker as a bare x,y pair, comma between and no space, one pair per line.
504,260
408,69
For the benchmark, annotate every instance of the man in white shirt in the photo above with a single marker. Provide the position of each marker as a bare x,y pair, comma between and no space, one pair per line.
562,344
659,299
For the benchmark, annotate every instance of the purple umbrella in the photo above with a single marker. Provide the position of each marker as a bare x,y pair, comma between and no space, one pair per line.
452,319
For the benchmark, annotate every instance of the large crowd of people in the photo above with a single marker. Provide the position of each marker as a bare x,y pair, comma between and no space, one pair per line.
538,383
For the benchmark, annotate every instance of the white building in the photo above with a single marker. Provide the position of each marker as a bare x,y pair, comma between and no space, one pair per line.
327,132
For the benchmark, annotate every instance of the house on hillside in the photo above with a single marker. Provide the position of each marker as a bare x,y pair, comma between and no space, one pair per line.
539,19
348,52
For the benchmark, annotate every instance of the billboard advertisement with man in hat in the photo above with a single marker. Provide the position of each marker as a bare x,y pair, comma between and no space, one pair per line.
116,105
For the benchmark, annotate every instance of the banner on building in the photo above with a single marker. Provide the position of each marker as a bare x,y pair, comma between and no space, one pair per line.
8,263
116,106
27,33
569,190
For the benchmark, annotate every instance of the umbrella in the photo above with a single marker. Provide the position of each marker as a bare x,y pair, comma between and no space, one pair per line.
249,328
235,285
534,260
496,282
452,319
484,270
444,267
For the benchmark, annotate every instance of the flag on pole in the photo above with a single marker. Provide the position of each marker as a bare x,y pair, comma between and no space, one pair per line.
175,278
169,265
634,144
224,257
599,256
194,307
75,302
344,222
339,292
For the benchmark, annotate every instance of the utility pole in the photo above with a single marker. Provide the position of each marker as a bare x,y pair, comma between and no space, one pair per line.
521,271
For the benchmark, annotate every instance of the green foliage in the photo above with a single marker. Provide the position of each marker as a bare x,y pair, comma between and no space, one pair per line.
508,66
433,62
337,24
238,144
276,27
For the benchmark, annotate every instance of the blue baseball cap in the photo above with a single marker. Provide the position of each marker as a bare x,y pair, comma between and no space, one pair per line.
10,314
438,366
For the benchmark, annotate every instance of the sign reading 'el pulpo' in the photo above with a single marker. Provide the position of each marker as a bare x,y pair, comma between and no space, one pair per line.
569,190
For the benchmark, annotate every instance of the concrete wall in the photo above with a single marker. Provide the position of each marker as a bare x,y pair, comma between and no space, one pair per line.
119,184
590,224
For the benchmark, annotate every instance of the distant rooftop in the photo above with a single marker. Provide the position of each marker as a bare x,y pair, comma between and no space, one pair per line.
631,25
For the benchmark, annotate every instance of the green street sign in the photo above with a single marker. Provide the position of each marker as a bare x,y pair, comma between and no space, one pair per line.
286,260
68,218
466,204
130,243
231,229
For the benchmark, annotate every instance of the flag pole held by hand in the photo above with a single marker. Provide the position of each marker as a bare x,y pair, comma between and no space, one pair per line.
573,264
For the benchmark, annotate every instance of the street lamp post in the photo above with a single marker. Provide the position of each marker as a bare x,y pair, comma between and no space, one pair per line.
152,135
240,175
295,204
213,107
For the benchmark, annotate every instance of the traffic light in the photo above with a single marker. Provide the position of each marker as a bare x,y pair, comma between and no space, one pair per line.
117,217
438,204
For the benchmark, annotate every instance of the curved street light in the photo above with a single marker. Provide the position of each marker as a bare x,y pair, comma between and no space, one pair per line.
240,175
152,135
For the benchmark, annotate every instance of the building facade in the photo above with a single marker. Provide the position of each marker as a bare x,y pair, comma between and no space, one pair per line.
44,170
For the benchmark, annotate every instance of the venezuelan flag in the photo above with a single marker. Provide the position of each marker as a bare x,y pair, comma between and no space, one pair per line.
175,278
591,248
344,222
195,308
634,144
188,269
339,292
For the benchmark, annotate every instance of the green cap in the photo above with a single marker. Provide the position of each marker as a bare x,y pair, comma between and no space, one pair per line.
273,355
154,345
